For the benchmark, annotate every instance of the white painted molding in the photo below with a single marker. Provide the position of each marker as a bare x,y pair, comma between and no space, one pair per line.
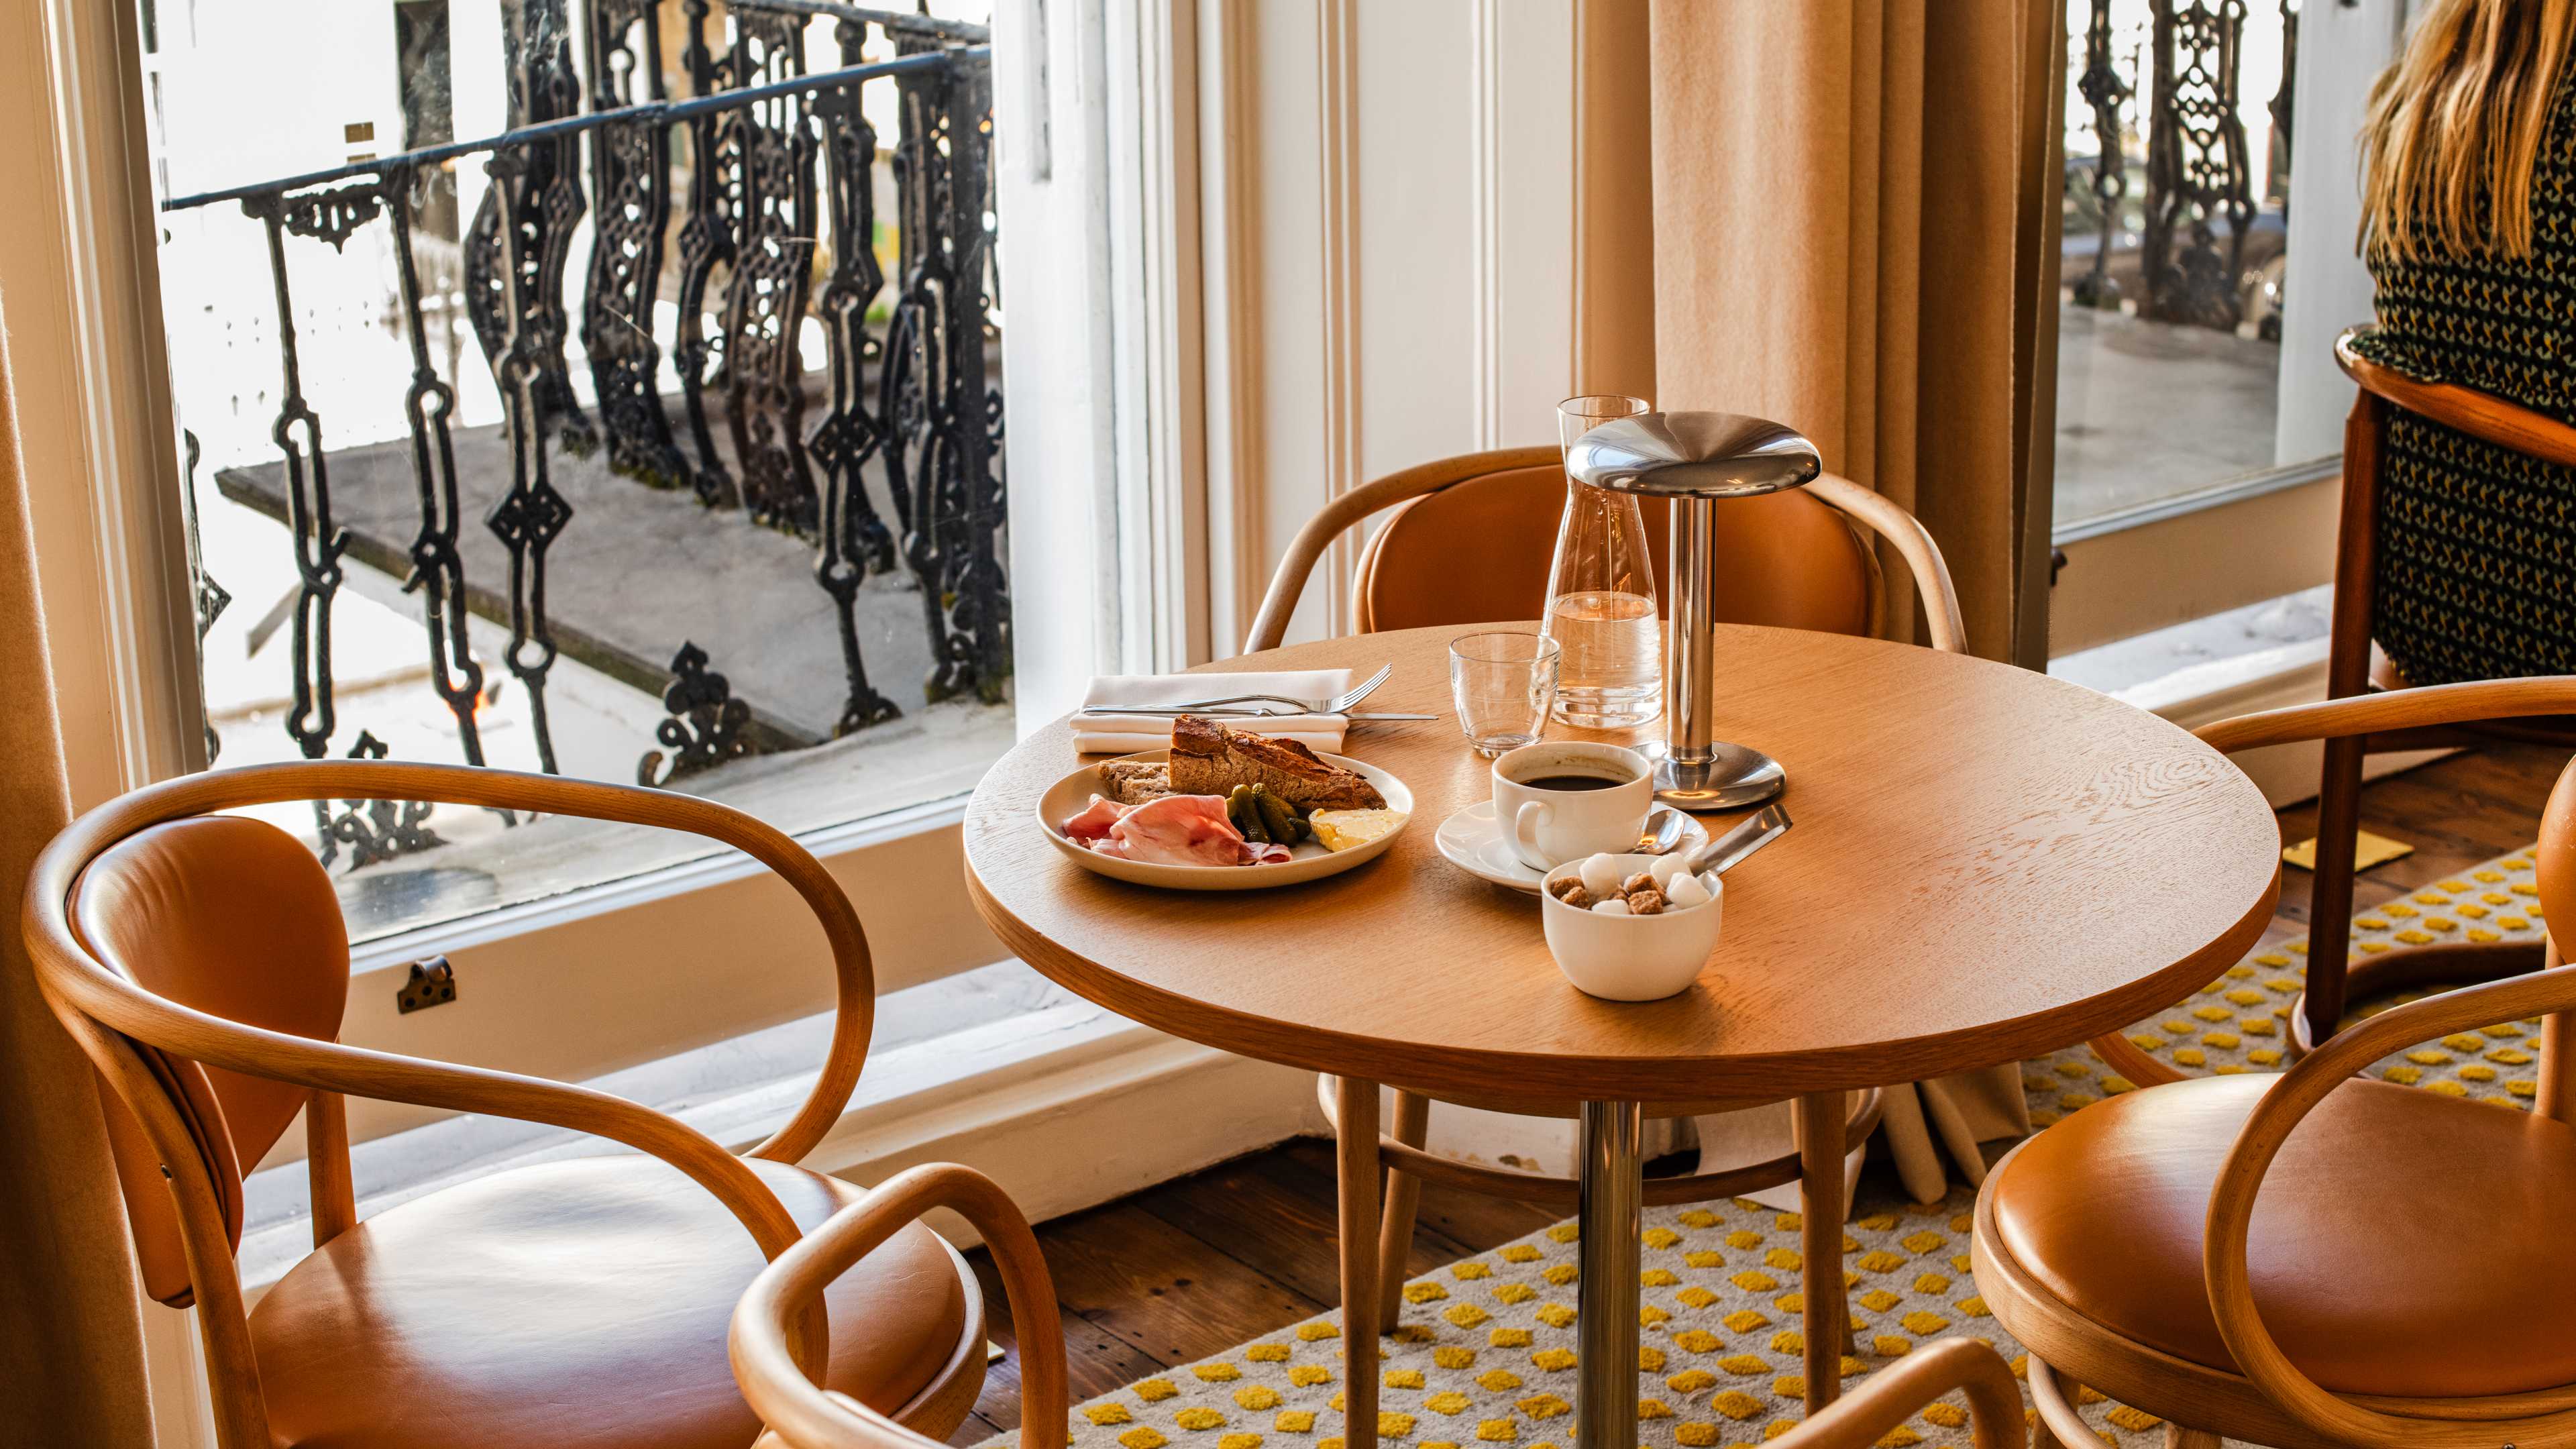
1337,218
1485,145
97,429
1231,374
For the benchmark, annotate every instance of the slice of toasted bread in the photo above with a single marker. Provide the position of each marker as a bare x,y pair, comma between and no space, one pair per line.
1209,759
1132,782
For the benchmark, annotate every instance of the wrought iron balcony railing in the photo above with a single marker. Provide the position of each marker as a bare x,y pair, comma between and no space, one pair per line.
2200,204
777,157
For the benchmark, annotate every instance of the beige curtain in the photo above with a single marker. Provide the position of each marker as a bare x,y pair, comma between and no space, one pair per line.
1854,235
71,1351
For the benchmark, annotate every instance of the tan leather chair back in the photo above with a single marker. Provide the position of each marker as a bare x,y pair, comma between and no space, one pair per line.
1480,549
235,918
2556,856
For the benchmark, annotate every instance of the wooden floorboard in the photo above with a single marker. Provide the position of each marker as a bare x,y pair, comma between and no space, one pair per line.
1188,1269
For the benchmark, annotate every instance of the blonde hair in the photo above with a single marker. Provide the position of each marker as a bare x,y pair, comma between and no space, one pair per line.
2456,126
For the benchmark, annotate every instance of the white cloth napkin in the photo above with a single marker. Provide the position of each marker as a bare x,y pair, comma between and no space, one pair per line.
1122,734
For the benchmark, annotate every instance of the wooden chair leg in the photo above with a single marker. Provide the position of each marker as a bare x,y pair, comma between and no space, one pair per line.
1411,1126
2330,898
1356,1166
2556,1097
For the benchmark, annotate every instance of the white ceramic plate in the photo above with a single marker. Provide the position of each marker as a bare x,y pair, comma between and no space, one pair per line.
1066,798
1470,841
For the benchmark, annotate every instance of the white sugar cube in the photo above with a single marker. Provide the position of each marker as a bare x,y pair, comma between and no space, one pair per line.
1602,874
1664,868
1612,907
1684,892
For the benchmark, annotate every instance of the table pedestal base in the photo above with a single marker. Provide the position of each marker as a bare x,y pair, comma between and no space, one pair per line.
1611,1213
1611,1202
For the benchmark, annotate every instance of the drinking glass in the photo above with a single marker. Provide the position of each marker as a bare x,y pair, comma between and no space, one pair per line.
1601,591
1503,683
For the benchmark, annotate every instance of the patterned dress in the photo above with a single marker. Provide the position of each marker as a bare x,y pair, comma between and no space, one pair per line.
2477,544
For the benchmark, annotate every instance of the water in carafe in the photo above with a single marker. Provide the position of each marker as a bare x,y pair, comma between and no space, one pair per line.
1601,606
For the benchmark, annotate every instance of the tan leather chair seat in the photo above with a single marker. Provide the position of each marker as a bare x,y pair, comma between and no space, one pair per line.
576,1303
2405,1243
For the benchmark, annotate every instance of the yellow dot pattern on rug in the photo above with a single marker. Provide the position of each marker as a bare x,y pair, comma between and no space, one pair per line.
1486,1351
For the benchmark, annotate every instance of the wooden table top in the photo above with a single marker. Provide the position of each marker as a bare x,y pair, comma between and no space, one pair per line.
1988,864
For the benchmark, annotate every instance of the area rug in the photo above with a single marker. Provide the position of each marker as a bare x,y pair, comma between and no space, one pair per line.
1485,1352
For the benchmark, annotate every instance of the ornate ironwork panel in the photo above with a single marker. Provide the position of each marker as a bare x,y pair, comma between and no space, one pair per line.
630,177
437,570
544,86
706,724
706,243
374,830
529,517
773,271
331,216
2104,91
855,540
2198,175
935,404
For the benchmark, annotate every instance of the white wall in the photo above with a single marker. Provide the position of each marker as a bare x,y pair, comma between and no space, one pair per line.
1409,175
2342,47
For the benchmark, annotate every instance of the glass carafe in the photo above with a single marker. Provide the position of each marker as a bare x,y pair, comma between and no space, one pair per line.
1601,603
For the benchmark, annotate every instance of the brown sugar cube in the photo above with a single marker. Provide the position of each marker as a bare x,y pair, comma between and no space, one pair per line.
1647,902
1641,881
1571,891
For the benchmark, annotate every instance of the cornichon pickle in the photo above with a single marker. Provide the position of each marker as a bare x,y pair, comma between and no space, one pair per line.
1277,816
1249,821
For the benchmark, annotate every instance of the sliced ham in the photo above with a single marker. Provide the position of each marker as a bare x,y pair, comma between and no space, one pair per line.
1172,830
1094,821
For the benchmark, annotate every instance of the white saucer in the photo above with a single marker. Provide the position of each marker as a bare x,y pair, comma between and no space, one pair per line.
1470,842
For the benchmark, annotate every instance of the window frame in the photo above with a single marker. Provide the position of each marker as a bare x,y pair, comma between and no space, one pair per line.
2242,540
119,596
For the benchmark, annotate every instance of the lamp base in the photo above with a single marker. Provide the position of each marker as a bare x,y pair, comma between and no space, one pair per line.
1731,778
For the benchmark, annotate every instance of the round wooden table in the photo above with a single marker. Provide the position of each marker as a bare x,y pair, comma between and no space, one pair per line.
1988,865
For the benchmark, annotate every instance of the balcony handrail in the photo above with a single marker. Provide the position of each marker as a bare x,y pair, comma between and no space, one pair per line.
892,20
655,112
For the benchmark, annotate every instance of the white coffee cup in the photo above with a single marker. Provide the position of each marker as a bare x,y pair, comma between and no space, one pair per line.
1548,827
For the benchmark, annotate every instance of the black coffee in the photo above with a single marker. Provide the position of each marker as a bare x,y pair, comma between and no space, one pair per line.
1572,782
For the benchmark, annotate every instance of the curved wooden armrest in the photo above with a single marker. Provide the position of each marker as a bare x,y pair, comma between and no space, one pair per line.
2395,709
59,953
1288,581
110,1001
1915,544
2481,415
1899,1391
784,1392
2240,1179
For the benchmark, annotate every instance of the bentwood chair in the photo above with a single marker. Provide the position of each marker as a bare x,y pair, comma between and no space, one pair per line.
2390,399
803,1415
1469,540
201,962
2310,1259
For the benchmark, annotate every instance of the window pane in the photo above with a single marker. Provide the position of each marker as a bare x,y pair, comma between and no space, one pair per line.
2175,268
638,447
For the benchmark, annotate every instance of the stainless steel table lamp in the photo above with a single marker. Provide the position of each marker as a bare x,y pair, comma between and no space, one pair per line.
1694,459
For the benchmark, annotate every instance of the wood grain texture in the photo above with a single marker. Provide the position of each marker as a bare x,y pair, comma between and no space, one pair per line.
1818,1118
1960,824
